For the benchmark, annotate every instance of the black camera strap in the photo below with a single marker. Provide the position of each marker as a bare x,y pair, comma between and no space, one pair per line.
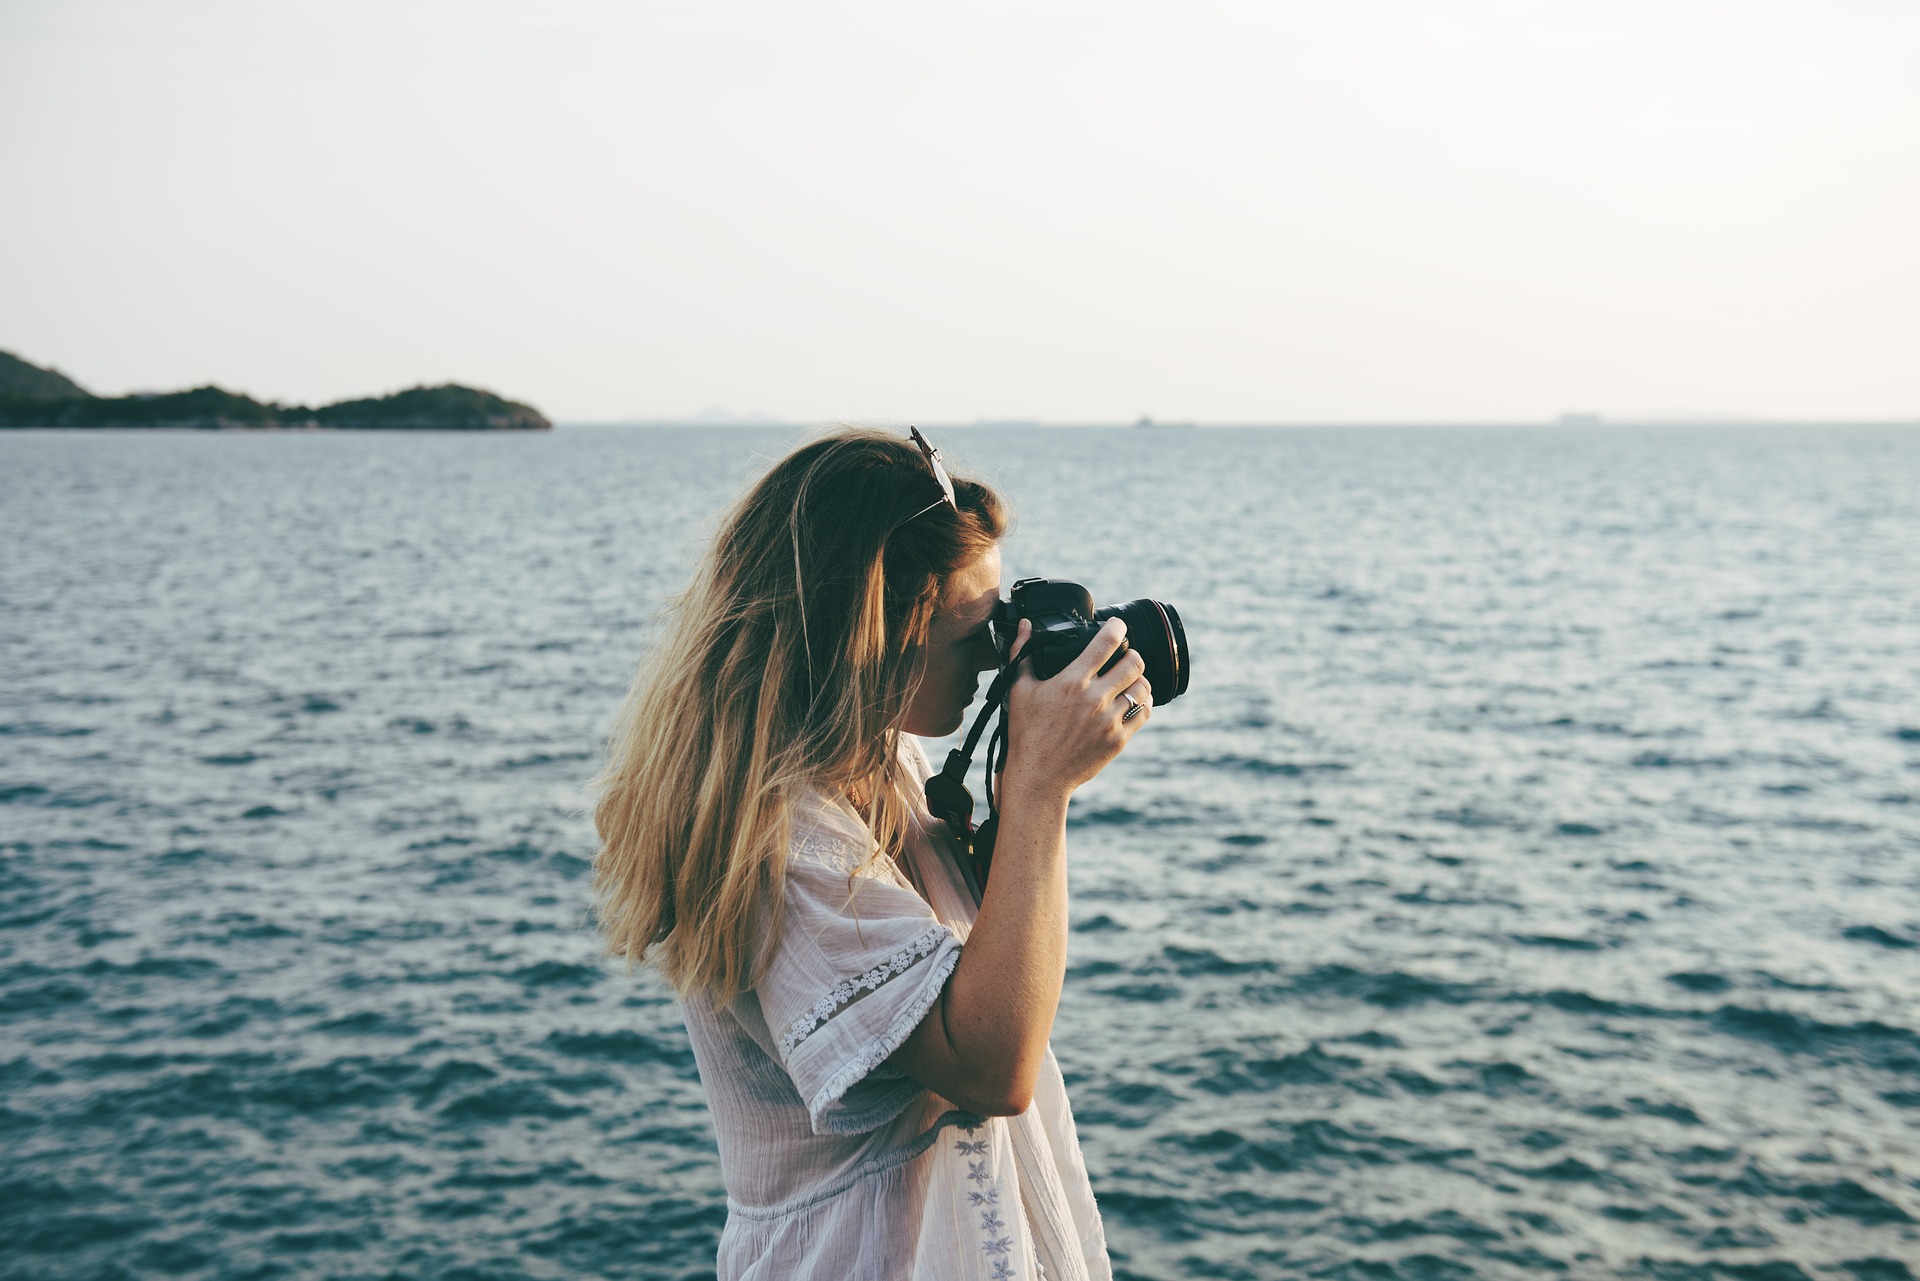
949,798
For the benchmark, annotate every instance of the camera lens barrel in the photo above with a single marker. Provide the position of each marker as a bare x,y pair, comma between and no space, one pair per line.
1154,629
1065,621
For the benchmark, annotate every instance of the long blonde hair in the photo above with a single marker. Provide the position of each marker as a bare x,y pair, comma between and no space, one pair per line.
787,667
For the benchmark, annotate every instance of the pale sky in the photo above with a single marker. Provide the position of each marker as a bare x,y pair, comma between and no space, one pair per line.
1343,211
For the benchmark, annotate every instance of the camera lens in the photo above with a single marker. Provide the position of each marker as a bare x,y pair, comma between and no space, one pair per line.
1153,628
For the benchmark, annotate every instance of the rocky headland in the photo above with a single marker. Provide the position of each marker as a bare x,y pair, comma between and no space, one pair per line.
34,397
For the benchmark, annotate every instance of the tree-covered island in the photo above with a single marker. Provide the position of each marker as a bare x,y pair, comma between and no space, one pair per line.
34,397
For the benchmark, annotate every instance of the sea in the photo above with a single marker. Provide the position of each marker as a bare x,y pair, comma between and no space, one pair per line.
1527,886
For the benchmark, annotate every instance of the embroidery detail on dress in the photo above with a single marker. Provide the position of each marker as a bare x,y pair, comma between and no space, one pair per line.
987,1201
843,993
834,851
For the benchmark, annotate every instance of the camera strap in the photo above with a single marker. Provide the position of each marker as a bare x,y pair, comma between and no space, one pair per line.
949,798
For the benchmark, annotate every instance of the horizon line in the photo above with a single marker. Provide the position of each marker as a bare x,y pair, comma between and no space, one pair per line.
1561,422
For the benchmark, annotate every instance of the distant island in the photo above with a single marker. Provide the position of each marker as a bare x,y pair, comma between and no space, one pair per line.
34,397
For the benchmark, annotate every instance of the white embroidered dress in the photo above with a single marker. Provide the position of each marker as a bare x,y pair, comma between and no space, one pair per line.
836,1167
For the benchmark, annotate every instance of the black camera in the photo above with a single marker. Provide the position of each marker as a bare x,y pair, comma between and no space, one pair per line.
1064,623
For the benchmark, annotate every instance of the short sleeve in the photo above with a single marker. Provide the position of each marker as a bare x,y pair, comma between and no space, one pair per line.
860,960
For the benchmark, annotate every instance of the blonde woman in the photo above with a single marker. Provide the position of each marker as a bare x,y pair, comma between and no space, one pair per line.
870,1024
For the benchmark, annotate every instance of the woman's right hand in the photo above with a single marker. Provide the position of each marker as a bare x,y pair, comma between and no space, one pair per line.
983,1046
1062,731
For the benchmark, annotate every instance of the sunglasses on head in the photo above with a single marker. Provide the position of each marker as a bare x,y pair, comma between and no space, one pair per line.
939,471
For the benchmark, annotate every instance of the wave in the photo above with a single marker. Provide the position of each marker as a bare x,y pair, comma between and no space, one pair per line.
1264,767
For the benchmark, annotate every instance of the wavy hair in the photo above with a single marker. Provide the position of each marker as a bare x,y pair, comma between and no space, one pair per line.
786,668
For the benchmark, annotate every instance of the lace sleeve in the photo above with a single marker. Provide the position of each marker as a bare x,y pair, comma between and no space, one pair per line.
860,961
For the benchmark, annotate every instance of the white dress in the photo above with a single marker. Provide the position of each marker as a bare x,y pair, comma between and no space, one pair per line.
837,1167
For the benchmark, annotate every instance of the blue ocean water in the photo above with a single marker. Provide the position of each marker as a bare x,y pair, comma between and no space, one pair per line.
1527,887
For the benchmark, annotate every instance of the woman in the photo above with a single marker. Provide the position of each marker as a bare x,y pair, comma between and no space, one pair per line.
870,1026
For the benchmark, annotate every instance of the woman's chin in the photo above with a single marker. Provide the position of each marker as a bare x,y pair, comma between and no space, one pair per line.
948,724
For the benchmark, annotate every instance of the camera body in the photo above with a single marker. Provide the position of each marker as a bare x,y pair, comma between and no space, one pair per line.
1064,623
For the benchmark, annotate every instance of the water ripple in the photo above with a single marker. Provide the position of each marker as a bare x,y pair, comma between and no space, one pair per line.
1526,887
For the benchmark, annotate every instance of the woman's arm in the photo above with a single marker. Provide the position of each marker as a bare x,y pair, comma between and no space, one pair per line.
982,1043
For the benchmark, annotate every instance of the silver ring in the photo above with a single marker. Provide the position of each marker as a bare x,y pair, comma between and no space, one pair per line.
1133,706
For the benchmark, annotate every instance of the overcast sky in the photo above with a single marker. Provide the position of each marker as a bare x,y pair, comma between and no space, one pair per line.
1340,211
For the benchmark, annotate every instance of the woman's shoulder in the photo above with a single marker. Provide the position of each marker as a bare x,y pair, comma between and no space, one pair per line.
826,833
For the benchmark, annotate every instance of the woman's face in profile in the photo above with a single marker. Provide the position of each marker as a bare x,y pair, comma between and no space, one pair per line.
959,648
